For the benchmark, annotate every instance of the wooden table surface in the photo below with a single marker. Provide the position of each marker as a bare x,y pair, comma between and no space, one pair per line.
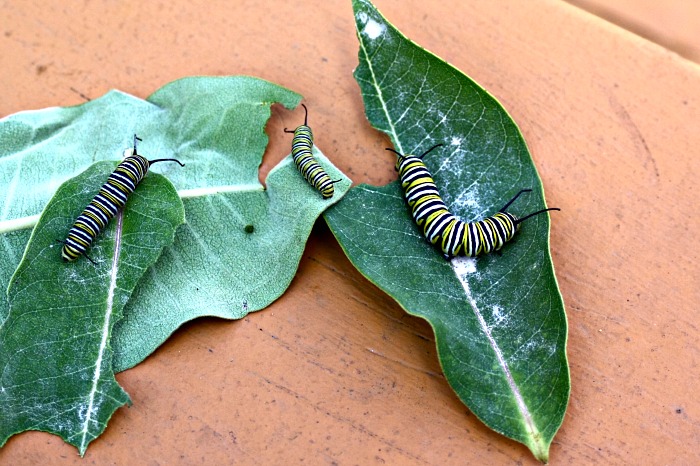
674,24
334,371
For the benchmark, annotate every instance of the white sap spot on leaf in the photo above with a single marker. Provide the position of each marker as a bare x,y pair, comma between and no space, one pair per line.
81,412
362,17
497,313
464,266
529,347
455,141
534,345
498,317
373,29
73,275
86,190
466,202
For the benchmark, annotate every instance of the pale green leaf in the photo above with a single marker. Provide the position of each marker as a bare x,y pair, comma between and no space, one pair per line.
216,127
217,268
499,320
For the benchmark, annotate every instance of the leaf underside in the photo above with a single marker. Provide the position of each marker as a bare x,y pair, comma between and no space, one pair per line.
238,251
499,320
215,126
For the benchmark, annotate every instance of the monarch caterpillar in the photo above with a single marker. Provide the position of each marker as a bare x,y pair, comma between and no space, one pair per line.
305,161
455,237
104,205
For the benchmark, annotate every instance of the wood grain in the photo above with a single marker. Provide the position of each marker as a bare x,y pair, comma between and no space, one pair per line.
334,371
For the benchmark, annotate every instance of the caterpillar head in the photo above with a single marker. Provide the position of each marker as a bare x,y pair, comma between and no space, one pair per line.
510,223
403,160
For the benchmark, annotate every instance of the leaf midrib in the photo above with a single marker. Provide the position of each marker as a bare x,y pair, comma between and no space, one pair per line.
113,275
380,96
30,221
460,271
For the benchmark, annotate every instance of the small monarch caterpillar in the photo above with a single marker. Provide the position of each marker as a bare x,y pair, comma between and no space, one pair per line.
106,203
455,237
305,161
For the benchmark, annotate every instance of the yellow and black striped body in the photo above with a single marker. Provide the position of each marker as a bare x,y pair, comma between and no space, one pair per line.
454,236
306,163
104,206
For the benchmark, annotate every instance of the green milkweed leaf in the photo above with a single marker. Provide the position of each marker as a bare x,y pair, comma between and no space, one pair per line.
59,341
55,345
216,266
499,320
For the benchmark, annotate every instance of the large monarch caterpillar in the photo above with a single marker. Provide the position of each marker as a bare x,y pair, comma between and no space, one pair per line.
305,161
107,202
455,237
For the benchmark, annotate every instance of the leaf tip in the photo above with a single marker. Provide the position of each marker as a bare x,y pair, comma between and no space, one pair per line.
539,448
